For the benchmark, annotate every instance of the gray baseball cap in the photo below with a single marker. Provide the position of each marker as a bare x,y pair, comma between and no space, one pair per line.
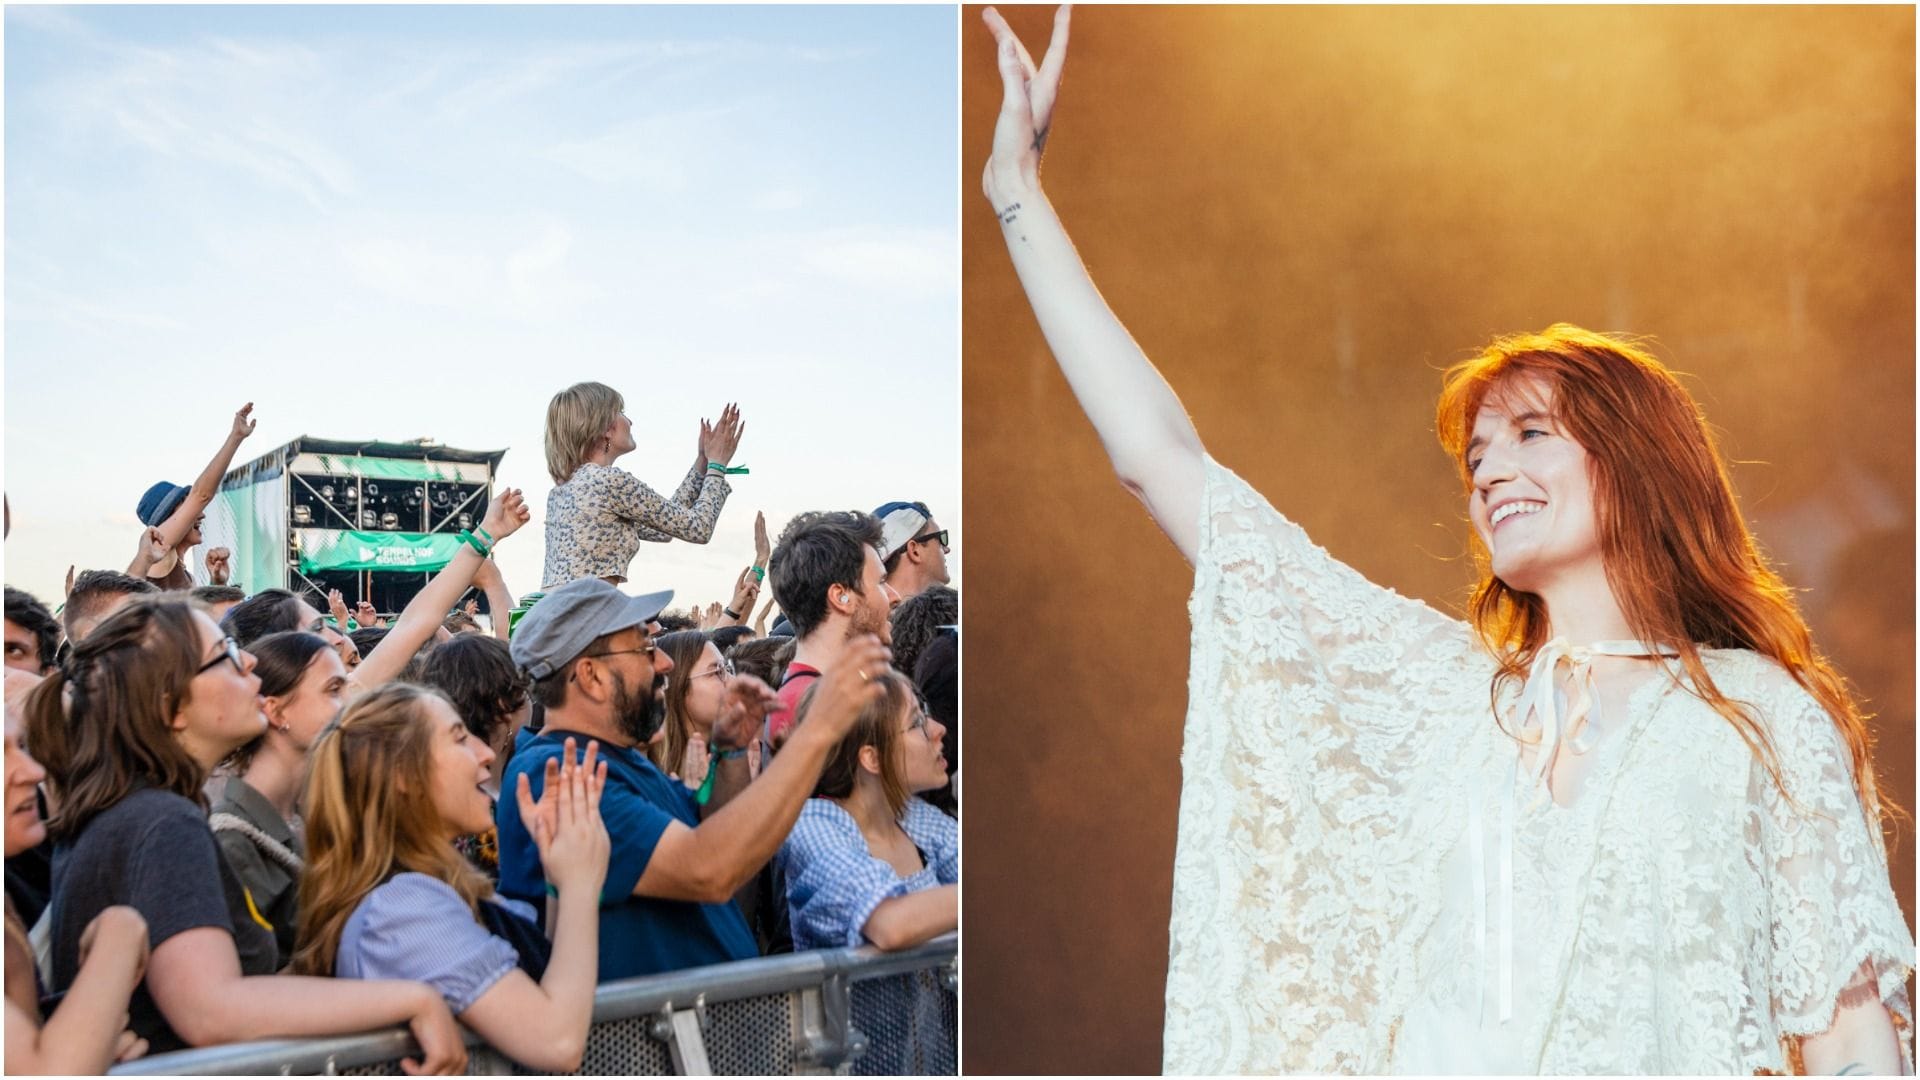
569,618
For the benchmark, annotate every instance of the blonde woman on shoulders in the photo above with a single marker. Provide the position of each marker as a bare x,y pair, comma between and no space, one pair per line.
597,515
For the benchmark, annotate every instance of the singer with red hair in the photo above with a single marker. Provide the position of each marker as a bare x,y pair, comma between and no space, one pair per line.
1620,819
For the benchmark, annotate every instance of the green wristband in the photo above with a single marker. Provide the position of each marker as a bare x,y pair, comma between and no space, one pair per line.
737,470
759,573
474,542
482,533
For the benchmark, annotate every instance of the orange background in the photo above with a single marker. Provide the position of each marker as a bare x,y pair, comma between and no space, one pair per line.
1303,215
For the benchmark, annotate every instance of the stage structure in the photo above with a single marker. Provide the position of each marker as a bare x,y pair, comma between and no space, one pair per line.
372,519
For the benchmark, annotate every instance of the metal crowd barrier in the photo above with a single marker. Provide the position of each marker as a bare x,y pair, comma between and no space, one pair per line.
857,1012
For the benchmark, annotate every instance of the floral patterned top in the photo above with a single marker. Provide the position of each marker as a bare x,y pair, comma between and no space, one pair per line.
596,520
1338,900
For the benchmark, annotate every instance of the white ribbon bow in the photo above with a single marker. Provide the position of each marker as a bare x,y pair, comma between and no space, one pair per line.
1538,700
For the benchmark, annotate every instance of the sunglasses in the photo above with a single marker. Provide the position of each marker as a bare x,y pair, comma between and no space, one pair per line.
230,652
940,536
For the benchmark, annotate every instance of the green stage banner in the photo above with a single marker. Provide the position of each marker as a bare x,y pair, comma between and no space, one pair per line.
331,549
385,468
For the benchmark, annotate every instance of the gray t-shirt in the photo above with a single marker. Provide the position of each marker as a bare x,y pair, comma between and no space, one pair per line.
153,852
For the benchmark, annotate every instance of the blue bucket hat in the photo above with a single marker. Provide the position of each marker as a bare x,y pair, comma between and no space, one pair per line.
160,501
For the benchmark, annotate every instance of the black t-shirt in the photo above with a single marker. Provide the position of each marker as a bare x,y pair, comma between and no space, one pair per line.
153,852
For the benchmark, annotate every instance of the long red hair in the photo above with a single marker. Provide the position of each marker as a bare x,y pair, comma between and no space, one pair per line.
1678,555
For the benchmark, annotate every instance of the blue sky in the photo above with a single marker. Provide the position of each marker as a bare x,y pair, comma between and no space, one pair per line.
403,222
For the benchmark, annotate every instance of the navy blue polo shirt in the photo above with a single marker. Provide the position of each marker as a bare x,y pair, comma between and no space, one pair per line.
638,935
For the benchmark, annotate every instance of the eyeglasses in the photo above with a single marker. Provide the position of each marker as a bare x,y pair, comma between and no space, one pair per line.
724,670
919,722
940,536
644,650
229,651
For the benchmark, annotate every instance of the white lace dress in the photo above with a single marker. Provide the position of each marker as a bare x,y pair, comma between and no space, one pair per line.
1678,917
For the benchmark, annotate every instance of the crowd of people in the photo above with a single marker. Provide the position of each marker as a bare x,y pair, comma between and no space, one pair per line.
225,801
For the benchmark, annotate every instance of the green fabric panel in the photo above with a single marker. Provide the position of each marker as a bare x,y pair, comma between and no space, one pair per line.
255,513
330,549
384,468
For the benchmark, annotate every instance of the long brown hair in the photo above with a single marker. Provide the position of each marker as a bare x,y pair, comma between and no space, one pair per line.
281,660
1678,555
128,678
362,827
878,726
684,648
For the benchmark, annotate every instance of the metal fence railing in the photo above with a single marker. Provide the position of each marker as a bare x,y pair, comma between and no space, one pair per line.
831,1011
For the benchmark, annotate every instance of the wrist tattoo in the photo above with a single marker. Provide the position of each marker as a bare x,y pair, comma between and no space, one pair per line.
1852,1068
1040,139
1008,215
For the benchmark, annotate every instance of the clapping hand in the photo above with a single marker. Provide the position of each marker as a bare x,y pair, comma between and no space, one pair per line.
746,590
850,687
366,614
719,440
565,821
337,607
762,547
1026,110
505,514
742,711
695,761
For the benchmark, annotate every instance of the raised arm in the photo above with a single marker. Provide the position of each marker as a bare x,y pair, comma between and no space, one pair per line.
544,1024
1146,432
180,522
489,580
428,608
710,863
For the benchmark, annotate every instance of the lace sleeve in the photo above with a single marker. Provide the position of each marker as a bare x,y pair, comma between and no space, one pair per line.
659,520
1327,717
1838,933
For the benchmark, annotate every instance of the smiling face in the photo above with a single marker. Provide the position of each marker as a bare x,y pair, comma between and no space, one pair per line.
458,781
1532,503
24,827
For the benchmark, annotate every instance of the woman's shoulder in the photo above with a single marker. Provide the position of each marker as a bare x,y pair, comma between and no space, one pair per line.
145,811
924,822
1793,716
824,823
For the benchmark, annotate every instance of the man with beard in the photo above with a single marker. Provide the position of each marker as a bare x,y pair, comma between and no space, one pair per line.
588,650
829,580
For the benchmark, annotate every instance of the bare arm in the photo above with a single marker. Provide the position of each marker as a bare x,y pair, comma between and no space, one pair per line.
903,921
88,1031
195,979
545,1024
180,522
709,864
1861,1041
153,548
1143,427
499,598
428,608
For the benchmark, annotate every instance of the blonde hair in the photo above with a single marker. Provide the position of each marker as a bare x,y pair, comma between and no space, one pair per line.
576,417
362,828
